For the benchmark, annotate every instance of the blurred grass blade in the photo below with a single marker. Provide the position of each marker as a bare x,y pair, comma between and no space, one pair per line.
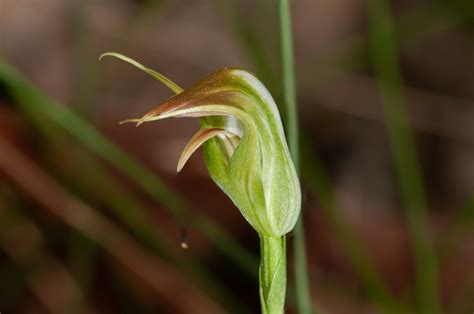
303,296
35,104
385,61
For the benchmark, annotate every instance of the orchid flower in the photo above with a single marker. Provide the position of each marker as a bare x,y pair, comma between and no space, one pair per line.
246,155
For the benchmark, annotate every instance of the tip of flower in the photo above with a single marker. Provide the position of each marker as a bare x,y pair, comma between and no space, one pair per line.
106,54
142,120
137,121
180,166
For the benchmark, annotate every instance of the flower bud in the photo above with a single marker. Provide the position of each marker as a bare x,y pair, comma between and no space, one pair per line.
245,149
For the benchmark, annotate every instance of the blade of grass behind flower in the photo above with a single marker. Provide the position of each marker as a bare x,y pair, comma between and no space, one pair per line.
302,289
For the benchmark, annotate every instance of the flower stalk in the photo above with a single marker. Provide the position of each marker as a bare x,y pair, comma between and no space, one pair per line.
272,274
246,155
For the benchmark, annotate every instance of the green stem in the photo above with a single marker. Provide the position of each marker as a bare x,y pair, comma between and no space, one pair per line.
272,274
303,298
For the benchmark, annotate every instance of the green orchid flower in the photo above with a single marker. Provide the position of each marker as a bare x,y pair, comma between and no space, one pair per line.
246,154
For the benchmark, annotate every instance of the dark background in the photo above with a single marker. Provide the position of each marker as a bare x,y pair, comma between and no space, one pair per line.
87,226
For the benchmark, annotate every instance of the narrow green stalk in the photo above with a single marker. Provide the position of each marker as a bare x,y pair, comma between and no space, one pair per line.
286,41
384,55
303,298
272,274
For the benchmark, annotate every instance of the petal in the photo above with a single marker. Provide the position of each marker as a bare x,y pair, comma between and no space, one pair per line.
160,77
197,140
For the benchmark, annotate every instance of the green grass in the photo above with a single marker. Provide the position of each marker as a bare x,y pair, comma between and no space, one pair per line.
302,289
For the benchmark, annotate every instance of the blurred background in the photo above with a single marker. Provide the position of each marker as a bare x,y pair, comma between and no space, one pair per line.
93,216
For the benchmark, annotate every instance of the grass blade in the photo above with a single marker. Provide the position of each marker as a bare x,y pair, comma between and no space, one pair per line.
303,298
